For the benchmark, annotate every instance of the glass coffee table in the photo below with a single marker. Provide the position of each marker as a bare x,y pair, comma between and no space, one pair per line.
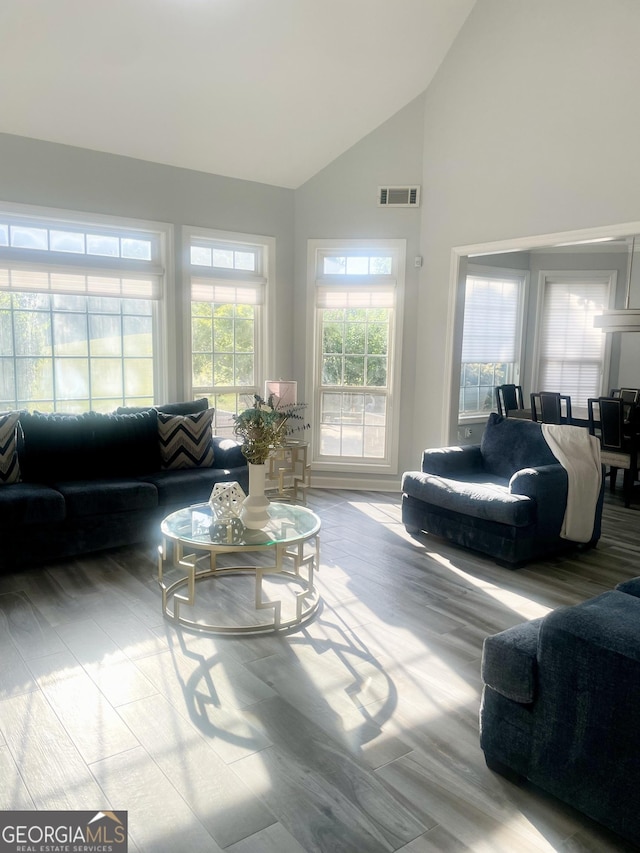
276,597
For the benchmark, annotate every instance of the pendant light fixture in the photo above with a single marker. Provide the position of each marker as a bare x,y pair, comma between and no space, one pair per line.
625,319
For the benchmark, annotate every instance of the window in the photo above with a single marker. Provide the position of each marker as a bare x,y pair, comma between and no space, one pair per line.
227,312
493,314
79,311
571,352
357,294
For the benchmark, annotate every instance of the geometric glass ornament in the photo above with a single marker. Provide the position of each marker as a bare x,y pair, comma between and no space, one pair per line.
226,500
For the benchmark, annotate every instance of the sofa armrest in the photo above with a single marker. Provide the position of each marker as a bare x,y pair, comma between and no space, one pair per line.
452,462
631,587
509,664
227,453
537,482
547,485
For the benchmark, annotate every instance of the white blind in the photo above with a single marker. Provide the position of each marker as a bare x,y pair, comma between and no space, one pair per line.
74,282
227,292
370,296
571,349
491,320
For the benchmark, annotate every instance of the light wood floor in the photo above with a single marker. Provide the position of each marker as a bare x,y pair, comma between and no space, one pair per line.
357,733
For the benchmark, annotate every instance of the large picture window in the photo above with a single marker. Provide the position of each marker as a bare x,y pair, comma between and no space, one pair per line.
357,290
493,312
228,292
79,312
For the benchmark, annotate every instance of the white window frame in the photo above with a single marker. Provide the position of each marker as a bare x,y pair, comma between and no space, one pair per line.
265,250
607,277
162,266
504,273
316,251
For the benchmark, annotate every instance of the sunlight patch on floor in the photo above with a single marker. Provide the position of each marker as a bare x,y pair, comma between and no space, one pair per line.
521,604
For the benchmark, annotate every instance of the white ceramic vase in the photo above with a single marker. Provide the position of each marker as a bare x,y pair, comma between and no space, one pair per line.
254,512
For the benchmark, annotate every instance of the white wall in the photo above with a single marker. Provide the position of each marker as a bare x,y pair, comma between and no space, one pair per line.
52,175
341,202
530,128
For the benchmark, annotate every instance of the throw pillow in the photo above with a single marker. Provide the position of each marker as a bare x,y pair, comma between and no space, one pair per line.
186,441
9,464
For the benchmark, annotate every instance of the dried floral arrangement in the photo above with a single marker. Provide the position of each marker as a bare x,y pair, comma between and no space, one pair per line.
266,425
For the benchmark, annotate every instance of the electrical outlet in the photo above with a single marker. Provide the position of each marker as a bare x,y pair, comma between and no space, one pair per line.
467,432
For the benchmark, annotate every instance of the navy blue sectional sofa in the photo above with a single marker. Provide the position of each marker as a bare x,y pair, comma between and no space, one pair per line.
505,497
95,481
560,705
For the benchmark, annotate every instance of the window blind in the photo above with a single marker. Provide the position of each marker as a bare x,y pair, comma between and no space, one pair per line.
73,282
229,292
373,296
571,349
491,320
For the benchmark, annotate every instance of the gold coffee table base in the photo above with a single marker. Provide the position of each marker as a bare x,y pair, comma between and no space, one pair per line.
296,560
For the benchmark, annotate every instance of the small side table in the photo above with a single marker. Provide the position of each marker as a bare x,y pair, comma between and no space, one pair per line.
288,474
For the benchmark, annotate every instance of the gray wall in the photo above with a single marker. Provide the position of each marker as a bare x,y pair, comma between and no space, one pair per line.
43,173
341,202
529,130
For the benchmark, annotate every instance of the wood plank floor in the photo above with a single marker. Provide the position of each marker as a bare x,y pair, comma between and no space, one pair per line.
357,733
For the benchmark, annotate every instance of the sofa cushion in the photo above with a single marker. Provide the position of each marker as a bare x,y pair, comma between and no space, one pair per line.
29,505
186,441
56,447
104,497
510,444
185,487
63,447
9,463
482,497
227,452
125,445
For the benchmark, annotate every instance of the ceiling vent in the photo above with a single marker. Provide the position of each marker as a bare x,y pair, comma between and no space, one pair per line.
398,196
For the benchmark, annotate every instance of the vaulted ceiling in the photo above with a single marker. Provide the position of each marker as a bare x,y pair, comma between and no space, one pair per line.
265,90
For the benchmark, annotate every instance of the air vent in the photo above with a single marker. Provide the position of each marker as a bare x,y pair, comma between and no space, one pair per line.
398,196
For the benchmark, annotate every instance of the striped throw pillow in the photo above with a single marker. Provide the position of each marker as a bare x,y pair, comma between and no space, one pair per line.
186,440
9,464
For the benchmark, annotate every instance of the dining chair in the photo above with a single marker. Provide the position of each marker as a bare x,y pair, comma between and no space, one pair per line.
508,398
618,446
546,407
630,396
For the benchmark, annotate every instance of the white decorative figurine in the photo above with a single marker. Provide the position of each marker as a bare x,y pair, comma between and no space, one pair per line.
226,501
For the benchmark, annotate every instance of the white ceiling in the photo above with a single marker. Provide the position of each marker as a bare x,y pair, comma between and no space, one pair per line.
265,90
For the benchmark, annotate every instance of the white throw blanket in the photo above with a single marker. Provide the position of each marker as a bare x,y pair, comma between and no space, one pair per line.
579,454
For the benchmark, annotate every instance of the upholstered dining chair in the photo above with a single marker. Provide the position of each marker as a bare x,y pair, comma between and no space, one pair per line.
546,407
508,398
618,445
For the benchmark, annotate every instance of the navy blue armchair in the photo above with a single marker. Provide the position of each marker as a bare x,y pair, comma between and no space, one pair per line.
505,497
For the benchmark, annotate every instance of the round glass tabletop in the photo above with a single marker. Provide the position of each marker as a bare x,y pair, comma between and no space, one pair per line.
196,525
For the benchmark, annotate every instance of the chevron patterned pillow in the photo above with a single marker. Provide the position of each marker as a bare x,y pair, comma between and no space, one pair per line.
186,440
9,464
